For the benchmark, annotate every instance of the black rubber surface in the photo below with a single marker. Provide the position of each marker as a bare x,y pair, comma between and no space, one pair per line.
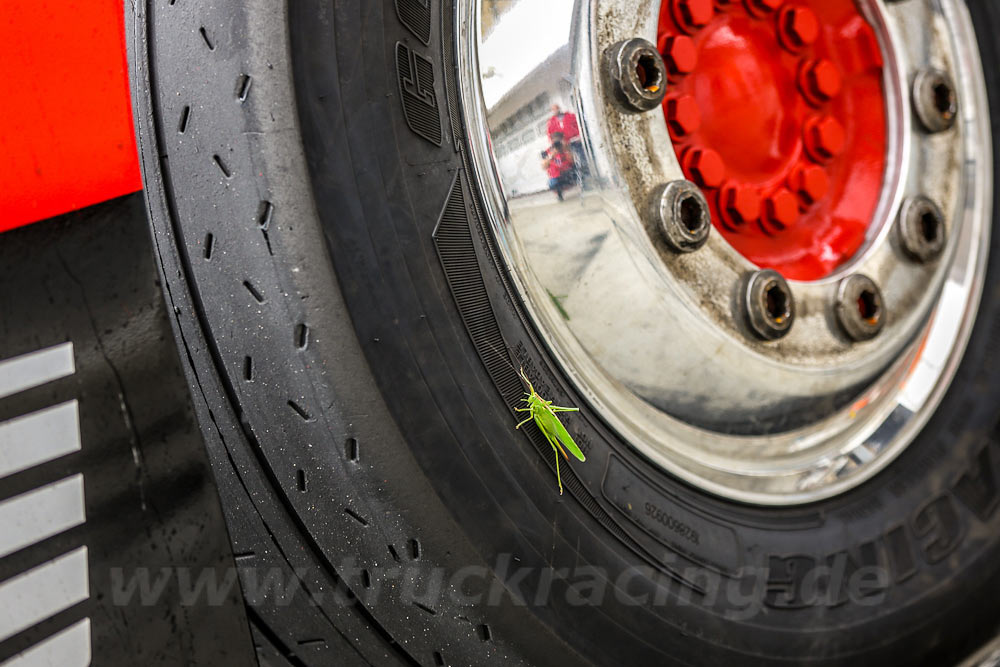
348,330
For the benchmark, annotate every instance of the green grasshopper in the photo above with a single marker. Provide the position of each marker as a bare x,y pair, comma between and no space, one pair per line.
544,414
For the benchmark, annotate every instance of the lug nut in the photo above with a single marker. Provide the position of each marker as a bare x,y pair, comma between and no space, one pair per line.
636,74
761,8
798,27
704,166
920,229
811,182
680,55
681,213
683,116
781,209
770,308
738,205
860,309
691,15
935,100
819,81
824,138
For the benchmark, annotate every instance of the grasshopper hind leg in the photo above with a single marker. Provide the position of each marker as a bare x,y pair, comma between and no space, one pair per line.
555,451
558,475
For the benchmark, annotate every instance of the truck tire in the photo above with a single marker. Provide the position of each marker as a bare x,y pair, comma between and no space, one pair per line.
365,453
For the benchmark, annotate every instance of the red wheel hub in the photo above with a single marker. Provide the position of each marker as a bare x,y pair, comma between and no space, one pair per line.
777,112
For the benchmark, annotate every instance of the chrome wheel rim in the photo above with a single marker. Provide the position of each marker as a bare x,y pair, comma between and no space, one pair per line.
692,407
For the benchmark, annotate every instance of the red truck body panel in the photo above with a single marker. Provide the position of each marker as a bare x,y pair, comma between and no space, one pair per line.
66,134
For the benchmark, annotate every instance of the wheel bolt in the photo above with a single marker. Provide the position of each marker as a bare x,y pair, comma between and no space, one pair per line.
920,229
704,166
781,209
859,307
811,182
680,55
681,213
798,27
820,81
935,100
692,14
824,138
770,308
738,205
683,116
636,73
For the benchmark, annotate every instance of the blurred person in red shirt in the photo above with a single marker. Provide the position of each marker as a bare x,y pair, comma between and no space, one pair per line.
558,164
564,126
563,122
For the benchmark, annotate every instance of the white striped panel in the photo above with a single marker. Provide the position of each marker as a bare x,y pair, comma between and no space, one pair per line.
40,513
36,368
39,437
44,591
66,648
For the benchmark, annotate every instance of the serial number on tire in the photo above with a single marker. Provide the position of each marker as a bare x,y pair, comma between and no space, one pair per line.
679,527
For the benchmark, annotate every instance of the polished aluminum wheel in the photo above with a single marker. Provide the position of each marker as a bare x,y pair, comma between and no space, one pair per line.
753,386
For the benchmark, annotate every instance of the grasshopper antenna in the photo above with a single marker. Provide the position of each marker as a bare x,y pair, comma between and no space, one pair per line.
506,359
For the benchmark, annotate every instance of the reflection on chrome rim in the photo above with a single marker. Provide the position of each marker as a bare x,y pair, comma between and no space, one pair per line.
655,340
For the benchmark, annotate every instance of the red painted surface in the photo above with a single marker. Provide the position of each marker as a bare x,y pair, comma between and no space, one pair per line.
66,137
776,110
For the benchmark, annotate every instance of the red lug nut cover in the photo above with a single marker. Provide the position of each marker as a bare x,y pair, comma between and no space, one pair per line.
797,27
761,7
704,167
692,14
683,116
824,138
820,81
738,204
679,54
781,208
811,182
790,132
